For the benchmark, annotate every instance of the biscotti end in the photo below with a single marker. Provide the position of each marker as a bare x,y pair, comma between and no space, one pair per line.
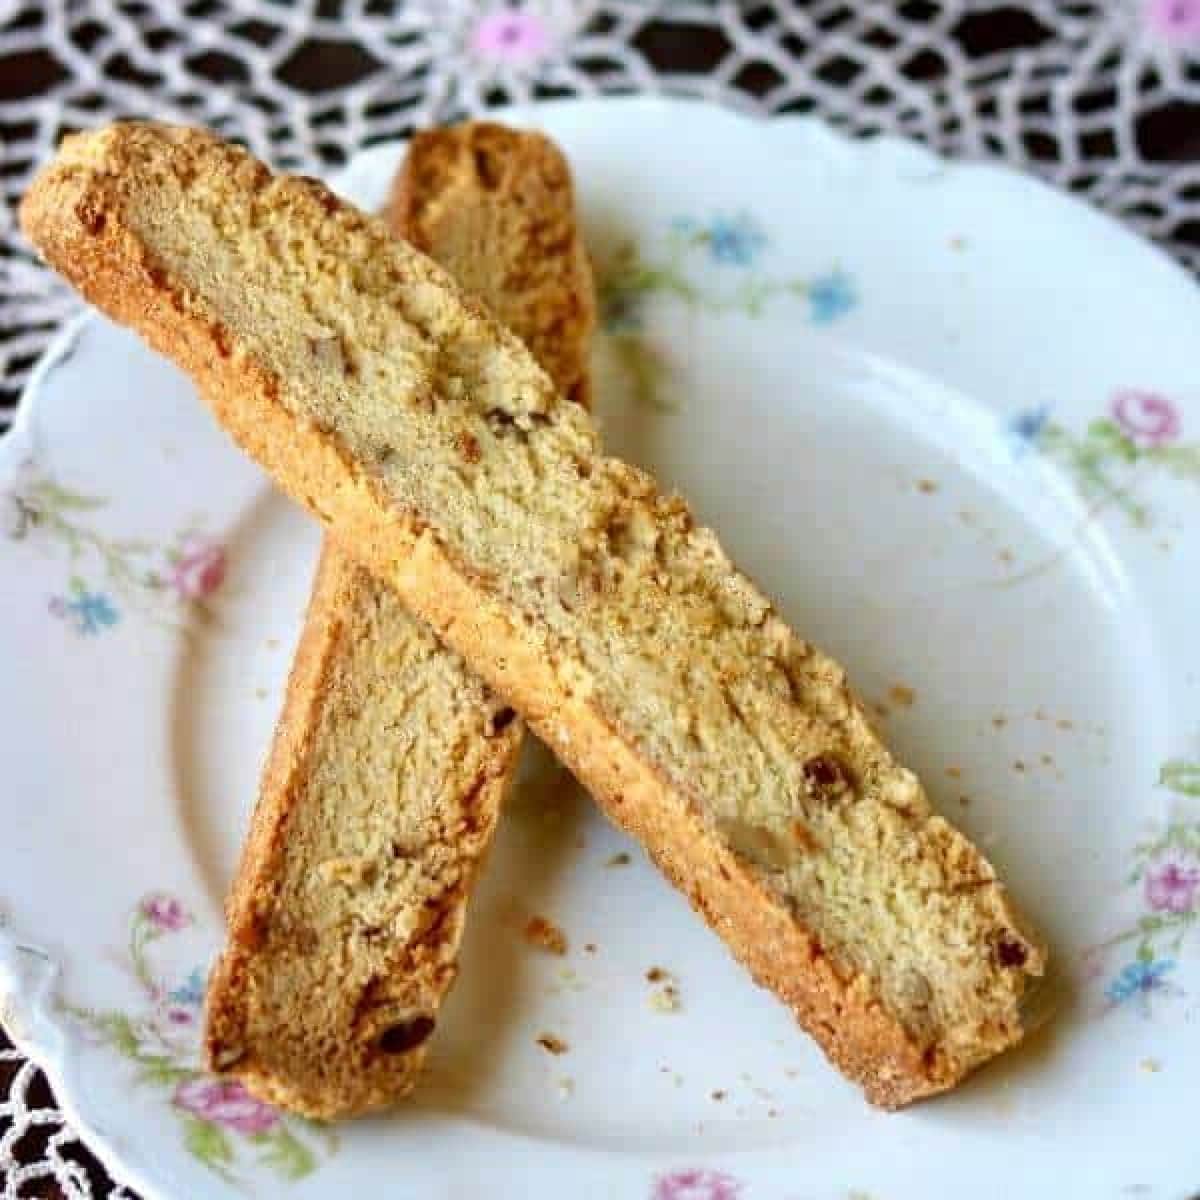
499,204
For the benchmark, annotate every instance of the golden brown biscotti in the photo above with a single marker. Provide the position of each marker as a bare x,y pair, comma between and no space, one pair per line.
615,625
520,253
391,759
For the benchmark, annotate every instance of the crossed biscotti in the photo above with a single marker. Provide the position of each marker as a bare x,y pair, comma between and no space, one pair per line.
391,759
427,438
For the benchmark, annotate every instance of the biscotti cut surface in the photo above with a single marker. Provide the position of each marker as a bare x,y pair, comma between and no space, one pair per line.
354,369
391,759
379,800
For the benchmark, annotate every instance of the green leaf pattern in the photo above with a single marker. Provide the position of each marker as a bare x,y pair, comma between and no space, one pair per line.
706,268
168,584
1166,873
221,1125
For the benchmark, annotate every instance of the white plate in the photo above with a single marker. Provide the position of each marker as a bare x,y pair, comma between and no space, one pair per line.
949,418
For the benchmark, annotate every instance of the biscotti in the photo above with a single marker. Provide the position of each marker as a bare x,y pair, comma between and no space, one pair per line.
425,435
391,759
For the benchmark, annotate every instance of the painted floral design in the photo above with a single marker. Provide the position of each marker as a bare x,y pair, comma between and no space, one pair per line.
196,567
226,1103
696,1183
86,612
1139,980
164,912
1145,418
1175,21
731,243
830,296
1140,433
735,240
168,583
511,37
1166,873
1173,882
221,1124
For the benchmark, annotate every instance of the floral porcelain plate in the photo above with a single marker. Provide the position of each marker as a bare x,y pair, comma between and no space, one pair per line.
949,418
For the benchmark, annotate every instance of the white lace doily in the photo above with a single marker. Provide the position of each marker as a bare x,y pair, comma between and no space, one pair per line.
1097,97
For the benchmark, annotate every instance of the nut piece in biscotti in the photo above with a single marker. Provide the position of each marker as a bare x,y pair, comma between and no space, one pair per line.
580,592
391,759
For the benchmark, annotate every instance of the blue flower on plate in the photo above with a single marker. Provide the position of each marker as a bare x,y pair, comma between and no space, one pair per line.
1023,431
733,240
87,612
190,992
830,296
736,240
1138,980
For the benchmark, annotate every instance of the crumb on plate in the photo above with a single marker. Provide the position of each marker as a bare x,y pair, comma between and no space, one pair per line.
551,1043
545,935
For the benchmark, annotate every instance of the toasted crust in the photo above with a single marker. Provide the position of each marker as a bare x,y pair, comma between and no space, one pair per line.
95,215
316,1004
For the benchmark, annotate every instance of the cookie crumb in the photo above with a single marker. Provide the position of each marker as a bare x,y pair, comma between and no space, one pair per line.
1047,760
272,643
1064,723
552,1044
590,948
657,975
1007,557
665,999
999,722
965,801
881,710
954,772
545,935
619,860
927,486
718,1095
566,1087
1150,1065
902,696
570,981
261,693
1018,765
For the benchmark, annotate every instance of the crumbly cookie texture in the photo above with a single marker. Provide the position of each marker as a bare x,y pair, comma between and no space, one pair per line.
391,759
355,370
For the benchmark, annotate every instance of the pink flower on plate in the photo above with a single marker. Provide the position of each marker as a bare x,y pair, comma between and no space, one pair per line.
1175,21
1173,883
199,569
165,911
695,1183
1146,417
225,1102
511,36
